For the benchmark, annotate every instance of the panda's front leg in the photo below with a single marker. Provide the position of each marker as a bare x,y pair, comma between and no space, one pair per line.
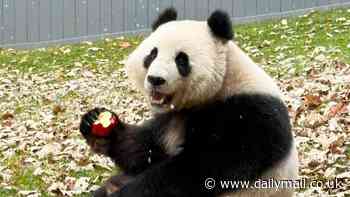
133,148
112,185
175,177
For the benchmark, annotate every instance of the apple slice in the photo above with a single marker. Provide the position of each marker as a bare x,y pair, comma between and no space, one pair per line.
104,124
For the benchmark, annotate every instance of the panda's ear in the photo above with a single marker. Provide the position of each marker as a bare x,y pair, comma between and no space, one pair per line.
167,15
220,25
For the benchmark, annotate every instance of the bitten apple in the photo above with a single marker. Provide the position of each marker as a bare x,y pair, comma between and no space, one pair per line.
104,124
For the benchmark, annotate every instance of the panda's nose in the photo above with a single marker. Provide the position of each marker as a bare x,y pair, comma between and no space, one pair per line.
155,81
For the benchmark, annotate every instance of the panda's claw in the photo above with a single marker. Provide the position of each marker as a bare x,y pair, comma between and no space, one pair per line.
89,118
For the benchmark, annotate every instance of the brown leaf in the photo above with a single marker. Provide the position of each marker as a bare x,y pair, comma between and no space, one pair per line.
313,164
7,116
83,162
336,109
334,147
297,113
313,101
7,119
57,109
124,45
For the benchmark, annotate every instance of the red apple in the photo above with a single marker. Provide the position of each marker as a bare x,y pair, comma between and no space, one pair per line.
104,124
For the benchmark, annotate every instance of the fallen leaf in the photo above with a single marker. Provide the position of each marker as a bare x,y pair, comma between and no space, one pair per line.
284,22
313,101
7,116
336,109
314,119
57,109
95,49
314,164
124,45
333,124
81,185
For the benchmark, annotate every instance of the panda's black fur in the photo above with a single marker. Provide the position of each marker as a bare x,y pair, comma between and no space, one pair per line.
238,138
220,24
182,64
167,15
150,57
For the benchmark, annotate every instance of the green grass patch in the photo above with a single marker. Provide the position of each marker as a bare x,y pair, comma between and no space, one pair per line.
26,180
101,54
7,192
272,41
23,176
93,174
347,151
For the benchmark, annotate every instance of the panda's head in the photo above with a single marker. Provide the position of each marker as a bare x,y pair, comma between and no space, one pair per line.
182,63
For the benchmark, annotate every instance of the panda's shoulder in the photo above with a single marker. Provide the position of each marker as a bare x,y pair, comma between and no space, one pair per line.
248,112
245,103
253,104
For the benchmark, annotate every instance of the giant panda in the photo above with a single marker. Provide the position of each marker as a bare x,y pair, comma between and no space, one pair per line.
217,116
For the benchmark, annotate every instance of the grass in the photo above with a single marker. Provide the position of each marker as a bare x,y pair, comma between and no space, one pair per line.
292,43
281,46
104,52
26,180
299,35
7,192
23,177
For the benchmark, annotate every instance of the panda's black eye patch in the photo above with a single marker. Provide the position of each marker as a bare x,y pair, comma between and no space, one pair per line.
183,64
150,58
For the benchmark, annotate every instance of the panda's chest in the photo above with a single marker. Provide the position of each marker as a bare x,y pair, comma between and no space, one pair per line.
173,136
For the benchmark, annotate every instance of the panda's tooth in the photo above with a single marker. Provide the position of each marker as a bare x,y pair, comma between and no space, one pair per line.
162,101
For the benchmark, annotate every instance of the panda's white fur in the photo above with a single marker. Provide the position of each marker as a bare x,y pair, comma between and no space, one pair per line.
208,62
219,70
244,76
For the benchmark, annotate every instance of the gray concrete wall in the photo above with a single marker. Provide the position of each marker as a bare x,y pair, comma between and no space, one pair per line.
37,23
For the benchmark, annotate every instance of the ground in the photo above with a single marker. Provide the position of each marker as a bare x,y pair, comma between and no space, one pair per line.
44,92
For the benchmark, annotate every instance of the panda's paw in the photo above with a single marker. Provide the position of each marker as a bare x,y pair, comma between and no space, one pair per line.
101,192
113,185
99,122
88,120
94,129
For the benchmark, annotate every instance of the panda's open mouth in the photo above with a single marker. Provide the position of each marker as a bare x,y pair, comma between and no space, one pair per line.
160,99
